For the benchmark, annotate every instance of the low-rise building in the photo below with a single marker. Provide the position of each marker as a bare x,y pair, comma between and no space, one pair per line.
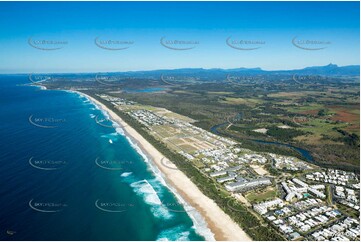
245,185
262,208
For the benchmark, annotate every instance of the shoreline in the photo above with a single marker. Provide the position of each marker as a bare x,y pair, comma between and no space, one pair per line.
220,224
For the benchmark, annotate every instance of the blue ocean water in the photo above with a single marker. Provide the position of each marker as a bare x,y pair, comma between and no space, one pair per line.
68,173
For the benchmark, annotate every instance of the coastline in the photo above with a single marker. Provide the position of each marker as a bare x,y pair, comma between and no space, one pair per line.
221,225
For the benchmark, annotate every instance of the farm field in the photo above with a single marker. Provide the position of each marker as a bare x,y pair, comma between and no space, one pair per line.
321,118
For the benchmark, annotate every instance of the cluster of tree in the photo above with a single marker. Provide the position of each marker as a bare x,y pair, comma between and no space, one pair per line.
322,112
272,170
349,139
347,159
255,145
284,134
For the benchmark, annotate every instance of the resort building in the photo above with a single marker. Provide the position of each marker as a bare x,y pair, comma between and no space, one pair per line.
245,185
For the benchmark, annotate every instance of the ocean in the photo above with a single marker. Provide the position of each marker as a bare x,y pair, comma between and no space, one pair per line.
68,173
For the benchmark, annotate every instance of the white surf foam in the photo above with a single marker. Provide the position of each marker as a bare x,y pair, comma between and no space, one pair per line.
120,130
111,137
147,190
174,234
200,225
137,148
126,174
144,188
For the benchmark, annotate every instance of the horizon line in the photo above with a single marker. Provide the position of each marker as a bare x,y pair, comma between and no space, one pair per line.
171,69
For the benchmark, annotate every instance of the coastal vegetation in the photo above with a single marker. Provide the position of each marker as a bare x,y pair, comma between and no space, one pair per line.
251,224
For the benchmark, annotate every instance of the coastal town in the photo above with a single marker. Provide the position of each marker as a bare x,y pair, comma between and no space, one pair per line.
180,120
300,200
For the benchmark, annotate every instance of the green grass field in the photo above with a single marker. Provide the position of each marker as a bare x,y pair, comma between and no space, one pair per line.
255,197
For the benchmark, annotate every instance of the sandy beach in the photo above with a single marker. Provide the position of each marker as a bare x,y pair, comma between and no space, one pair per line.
223,227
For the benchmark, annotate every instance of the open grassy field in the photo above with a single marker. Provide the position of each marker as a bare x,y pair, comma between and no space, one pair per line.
252,102
263,195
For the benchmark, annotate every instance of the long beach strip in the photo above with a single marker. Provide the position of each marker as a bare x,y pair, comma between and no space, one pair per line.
223,227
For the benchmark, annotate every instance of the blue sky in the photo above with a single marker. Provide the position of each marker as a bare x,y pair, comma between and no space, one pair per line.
269,26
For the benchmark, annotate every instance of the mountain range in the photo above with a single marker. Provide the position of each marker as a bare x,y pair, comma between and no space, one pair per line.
327,70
